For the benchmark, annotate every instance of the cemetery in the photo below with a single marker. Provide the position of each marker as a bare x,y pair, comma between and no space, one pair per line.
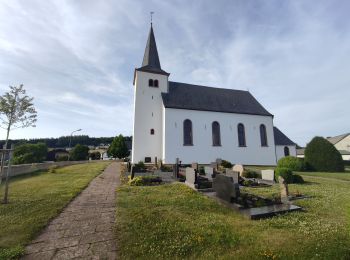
223,185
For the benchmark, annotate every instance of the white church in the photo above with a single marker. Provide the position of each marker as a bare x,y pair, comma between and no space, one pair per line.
199,123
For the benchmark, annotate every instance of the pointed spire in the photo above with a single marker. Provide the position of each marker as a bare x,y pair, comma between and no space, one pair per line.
150,61
151,58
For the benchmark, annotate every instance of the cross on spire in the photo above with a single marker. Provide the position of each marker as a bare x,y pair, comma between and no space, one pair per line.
151,16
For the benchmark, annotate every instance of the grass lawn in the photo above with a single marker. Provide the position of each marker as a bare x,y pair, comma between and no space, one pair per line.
35,199
172,220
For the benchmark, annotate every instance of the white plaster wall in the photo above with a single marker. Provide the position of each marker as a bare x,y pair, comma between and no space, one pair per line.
202,150
148,100
280,151
343,144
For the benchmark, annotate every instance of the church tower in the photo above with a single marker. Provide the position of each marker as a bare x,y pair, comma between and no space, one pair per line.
149,82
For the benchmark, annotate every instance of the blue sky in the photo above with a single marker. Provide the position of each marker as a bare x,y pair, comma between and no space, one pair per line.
77,59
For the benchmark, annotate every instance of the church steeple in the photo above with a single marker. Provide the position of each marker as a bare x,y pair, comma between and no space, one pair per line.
151,61
151,58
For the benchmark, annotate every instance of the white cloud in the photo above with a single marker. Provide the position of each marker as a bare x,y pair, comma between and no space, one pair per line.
77,58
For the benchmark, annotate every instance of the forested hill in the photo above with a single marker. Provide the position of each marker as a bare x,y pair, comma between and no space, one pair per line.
63,141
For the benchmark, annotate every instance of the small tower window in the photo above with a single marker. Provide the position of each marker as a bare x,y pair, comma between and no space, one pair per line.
150,82
155,83
152,131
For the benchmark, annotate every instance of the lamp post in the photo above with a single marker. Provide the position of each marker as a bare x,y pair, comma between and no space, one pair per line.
70,141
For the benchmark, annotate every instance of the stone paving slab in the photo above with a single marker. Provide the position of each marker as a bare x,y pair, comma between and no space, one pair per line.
85,228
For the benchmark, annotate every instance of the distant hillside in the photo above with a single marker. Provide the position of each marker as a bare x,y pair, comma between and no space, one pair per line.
63,141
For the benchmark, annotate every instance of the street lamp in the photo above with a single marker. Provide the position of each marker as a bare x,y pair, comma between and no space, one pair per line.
70,139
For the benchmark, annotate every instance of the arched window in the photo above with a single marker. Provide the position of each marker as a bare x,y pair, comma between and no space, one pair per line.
241,135
216,134
263,135
286,151
152,131
150,82
188,137
155,83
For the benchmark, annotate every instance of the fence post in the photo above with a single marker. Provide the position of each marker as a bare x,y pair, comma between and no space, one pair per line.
8,175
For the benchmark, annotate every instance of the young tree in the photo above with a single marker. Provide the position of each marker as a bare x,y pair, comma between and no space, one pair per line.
118,148
16,111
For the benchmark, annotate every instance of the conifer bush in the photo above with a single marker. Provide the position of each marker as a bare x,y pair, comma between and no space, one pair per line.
322,156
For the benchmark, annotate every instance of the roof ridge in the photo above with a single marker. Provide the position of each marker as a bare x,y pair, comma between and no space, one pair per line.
196,85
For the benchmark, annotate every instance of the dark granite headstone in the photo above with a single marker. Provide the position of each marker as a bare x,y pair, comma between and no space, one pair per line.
225,188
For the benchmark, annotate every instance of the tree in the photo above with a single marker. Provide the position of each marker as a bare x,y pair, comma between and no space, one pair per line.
118,148
16,110
79,153
321,155
29,153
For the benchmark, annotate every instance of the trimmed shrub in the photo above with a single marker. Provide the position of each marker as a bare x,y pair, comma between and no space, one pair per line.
321,155
250,174
226,164
79,153
291,162
286,173
29,153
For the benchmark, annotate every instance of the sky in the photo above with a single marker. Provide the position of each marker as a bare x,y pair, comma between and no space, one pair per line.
77,59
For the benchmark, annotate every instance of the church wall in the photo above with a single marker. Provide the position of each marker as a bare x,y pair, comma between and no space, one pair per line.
203,151
148,100
280,151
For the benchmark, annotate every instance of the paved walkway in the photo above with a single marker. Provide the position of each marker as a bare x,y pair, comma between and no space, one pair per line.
84,230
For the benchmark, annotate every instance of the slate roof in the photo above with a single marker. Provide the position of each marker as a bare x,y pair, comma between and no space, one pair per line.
281,138
151,61
336,139
195,97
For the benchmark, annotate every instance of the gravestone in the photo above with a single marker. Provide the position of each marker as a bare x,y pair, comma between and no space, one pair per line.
225,188
268,175
194,166
238,168
190,177
284,190
208,172
233,174
214,165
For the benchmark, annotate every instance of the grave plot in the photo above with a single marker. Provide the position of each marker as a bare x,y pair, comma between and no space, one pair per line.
224,186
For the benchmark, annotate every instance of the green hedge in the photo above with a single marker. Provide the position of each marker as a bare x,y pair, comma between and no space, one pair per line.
321,155
292,163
